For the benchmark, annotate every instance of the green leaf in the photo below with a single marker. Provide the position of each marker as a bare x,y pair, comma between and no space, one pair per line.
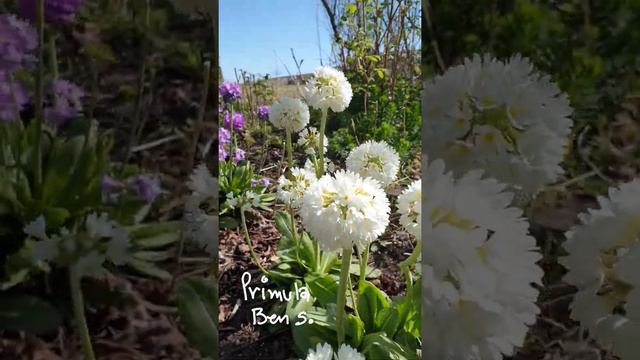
198,311
380,346
148,268
157,241
154,256
387,321
322,330
323,287
228,222
371,301
28,313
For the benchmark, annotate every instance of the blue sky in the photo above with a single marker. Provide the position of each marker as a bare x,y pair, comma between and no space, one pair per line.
256,36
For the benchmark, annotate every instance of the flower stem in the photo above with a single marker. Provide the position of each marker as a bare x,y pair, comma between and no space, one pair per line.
53,57
323,124
39,96
408,263
197,130
78,311
246,235
353,296
364,260
342,293
289,148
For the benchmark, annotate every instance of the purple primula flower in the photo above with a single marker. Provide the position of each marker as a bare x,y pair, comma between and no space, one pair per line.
264,182
238,155
224,136
230,92
109,187
13,97
66,102
55,11
18,41
222,153
146,187
263,112
238,121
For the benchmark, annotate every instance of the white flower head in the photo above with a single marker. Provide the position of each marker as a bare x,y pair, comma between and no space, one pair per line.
346,352
202,183
325,352
410,208
502,117
477,274
290,190
308,139
328,88
604,264
288,113
375,159
321,352
344,209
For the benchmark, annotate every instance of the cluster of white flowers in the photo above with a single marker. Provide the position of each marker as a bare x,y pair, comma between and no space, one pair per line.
288,113
410,208
501,117
244,201
89,254
328,88
478,268
375,159
325,352
604,264
344,209
291,189
308,139
200,225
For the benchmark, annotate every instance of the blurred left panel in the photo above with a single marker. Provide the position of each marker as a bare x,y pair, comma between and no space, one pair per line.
108,191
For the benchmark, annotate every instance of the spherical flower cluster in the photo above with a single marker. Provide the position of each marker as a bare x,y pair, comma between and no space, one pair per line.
237,120
199,223
146,187
230,92
13,97
604,264
410,208
55,11
478,270
309,139
344,209
238,155
375,159
65,102
18,41
502,117
263,112
288,113
291,188
325,352
224,138
328,88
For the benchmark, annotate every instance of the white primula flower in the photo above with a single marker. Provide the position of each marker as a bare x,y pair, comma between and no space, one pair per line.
201,226
345,209
202,183
328,88
604,264
502,117
289,113
375,159
322,352
325,352
308,139
346,352
478,271
410,208
291,189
